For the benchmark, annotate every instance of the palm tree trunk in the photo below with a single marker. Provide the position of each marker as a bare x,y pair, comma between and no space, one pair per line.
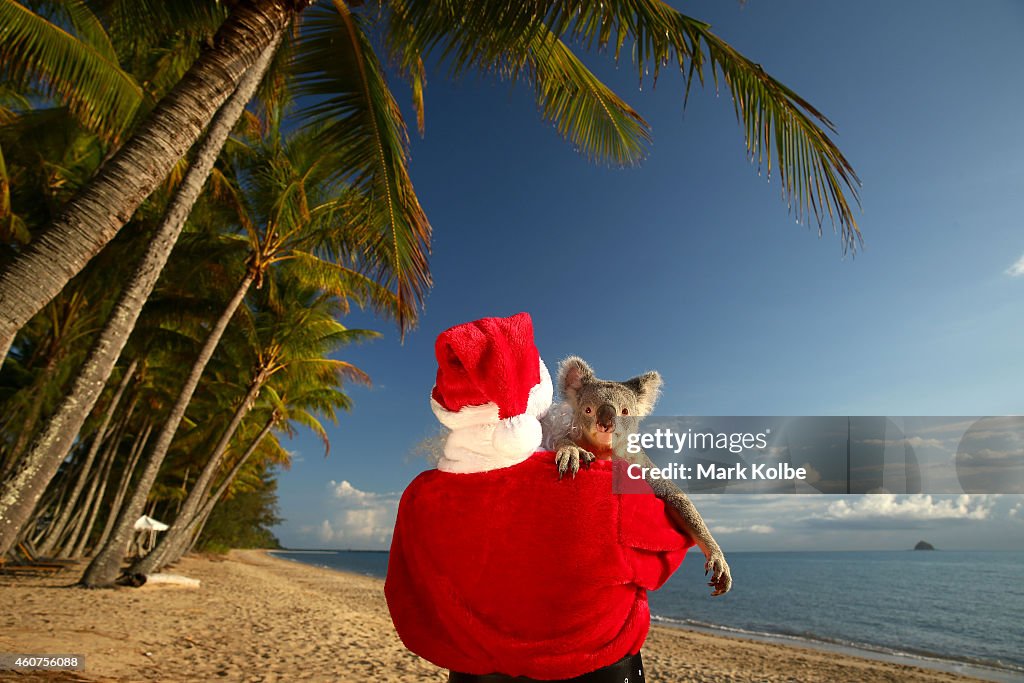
207,509
19,495
107,202
103,569
95,504
5,346
177,534
204,517
27,427
198,523
53,500
68,542
58,526
126,478
74,522
184,492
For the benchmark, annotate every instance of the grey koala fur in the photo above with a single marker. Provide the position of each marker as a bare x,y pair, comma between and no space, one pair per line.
585,424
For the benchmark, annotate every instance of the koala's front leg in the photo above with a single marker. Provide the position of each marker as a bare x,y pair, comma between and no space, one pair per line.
686,517
569,456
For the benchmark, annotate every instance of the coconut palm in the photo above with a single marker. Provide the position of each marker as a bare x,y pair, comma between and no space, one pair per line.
245,514
62,51
524,40
61,521
139,165
235,478
291,335
21,491
295,212
294,401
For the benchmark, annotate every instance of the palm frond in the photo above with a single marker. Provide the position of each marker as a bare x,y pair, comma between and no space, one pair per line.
361,121
782,130
345,370
12,226
406,55
87,27
341,281
137,26
82,75
312,424
815,175
585,111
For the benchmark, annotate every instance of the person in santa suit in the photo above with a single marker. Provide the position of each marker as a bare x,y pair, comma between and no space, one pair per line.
499,571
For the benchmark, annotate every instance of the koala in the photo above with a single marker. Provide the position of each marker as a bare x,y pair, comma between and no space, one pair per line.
585,430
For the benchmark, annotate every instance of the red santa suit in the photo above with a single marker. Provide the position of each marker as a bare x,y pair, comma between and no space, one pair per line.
508,569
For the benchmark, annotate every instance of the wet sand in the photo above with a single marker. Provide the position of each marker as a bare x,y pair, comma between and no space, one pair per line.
260,618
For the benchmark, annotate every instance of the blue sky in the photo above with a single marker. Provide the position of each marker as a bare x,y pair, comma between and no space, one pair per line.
691,264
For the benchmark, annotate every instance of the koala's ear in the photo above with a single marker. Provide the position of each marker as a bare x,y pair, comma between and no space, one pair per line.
647,388
573,373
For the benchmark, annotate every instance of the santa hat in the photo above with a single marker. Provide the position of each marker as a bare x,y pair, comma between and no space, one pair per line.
491,388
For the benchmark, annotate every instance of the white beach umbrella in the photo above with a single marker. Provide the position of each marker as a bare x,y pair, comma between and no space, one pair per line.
147,523
147,528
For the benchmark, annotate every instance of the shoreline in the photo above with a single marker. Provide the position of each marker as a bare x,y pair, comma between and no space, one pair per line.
257,617
922,660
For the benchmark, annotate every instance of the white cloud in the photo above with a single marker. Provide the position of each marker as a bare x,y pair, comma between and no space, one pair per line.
914,441
1017,269
349,493
916,507
992,455
358,519
752,529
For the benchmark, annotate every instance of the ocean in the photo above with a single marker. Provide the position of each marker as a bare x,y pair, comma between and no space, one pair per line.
954,610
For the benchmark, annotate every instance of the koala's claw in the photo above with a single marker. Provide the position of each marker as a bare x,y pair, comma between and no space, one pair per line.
721,579
569,458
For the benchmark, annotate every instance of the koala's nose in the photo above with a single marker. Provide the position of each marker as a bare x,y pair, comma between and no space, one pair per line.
606,415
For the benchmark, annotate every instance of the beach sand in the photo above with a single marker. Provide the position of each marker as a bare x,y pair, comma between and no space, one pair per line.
260,618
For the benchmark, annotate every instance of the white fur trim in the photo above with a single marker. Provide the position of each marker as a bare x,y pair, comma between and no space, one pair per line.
540,395
516,435
480,441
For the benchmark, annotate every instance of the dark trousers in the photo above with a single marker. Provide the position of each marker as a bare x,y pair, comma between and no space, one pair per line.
629,669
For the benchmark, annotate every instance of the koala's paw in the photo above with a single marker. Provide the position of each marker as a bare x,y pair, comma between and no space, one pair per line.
721,579
569,459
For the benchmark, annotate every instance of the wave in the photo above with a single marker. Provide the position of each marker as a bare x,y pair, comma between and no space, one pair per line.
982,668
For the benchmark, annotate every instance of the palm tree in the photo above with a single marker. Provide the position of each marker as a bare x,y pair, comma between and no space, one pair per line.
295,213
103,207
297,400
517,39
291,336
21,492
61,521
226,484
